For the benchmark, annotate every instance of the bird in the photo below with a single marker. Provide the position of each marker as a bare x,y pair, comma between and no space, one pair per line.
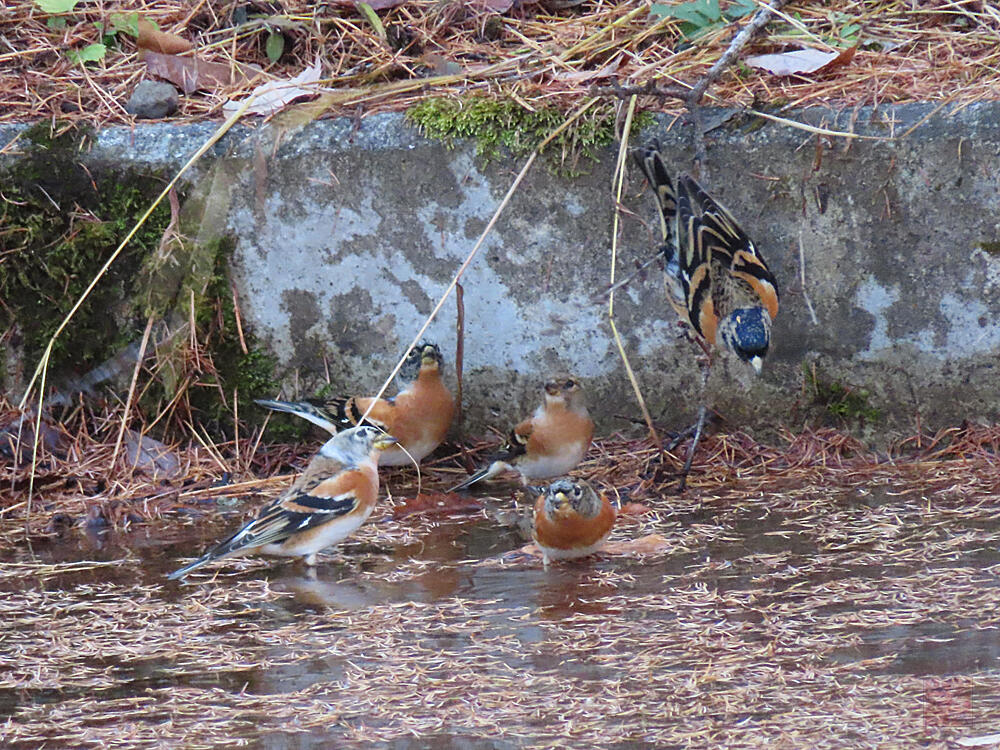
571,520
719,283
333,497
550,442
419,415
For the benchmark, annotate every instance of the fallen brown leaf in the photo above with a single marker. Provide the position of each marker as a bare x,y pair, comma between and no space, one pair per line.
436,503
634,509
191,74
152,38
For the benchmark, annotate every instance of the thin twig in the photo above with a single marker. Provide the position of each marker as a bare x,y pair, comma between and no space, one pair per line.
482,238
131,391
757,23
459,356
802,279
615,221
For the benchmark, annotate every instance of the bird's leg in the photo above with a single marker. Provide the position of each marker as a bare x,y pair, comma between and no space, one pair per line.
699,425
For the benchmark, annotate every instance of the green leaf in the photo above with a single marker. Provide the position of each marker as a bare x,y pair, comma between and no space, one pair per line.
373,19
275,46
126,23
55,23
850,30
90,53
710,9
56,6
739,9
683,12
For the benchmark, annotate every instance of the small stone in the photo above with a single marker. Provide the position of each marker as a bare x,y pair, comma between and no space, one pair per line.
152,100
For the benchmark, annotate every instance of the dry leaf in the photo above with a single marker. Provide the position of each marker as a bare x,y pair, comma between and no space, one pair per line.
801,61
494,6
191,74
373,4
634,509
152,38
578,76
436,503
274,95
650,544
150,456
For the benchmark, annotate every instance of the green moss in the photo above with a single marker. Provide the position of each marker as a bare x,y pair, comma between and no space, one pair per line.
993,248
499,125
846,403
58,226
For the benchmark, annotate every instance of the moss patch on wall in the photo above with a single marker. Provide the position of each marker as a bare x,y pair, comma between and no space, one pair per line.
847,404
58,226
505,124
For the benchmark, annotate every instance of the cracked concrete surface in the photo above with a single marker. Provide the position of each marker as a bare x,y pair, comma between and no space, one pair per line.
346,237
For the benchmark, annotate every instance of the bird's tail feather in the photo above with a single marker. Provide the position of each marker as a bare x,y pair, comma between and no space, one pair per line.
662,184
329,415
490,470
181,572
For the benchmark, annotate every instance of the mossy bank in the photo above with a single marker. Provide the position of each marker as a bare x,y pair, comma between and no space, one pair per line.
61,220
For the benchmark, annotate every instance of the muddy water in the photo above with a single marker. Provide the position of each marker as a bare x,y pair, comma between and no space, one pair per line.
755,624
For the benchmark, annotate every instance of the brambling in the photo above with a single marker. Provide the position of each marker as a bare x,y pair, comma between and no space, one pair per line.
332,498
418,416
550,442
571,520
720,284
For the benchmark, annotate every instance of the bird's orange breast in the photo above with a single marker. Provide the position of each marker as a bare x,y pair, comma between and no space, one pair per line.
566,529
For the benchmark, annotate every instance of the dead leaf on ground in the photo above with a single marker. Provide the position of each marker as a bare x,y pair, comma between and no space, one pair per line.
801,61
436,503
373,4
634,509
494,6
17,438
191,74
152,38
275,95
150,456
650,544
577,76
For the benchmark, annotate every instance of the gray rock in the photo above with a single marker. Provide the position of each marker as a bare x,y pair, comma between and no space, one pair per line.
152,100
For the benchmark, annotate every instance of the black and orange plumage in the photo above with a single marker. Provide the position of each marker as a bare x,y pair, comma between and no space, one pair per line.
419,415
333,497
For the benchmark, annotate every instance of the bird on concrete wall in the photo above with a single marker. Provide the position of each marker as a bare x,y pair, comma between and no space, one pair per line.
571,520
719,283
550,442
333,497
419,415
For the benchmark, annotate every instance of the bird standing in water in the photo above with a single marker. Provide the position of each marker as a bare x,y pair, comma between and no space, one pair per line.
720,284
418,416
571,520
333,497
550,442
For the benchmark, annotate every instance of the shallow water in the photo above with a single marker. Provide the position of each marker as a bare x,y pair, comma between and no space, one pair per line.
757,624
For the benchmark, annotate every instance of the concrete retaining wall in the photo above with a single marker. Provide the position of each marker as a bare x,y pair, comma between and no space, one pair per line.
346,236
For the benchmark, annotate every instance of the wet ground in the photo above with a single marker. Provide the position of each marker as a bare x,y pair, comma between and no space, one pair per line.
814,617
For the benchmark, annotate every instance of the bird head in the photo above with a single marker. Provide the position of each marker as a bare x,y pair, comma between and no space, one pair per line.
562,388
423,357
354,445
747,332
565,495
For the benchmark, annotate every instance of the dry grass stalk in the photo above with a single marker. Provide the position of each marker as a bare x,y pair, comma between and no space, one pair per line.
939,51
